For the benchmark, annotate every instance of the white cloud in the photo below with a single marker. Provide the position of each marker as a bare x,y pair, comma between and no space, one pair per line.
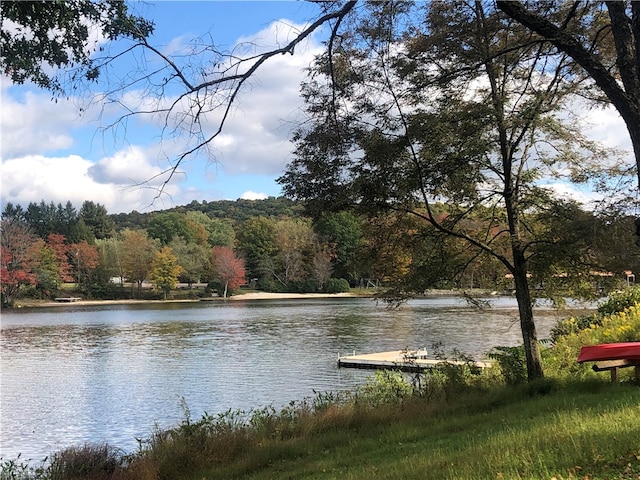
35,124
126,167
606,126
253,196
569,191
60,179
35,177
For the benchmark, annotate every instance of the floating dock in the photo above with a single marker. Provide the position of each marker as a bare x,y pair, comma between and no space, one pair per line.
405,360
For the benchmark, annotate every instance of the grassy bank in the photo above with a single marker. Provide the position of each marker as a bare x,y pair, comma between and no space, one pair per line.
586,430
572,433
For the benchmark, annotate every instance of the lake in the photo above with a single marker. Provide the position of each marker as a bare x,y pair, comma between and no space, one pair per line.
76,374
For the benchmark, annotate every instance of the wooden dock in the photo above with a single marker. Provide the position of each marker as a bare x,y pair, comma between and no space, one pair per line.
405,360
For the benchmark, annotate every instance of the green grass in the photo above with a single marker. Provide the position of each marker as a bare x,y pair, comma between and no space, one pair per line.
571,433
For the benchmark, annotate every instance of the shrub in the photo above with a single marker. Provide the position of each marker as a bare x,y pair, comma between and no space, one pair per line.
512,363
269,285
620,301
615,303
337,285
622,326
89,461
385,387
304,286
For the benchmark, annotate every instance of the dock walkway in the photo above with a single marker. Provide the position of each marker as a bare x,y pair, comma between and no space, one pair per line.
405,360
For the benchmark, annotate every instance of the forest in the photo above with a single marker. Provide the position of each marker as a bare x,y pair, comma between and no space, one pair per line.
273,246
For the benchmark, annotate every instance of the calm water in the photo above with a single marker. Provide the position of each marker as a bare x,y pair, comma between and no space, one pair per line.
73,374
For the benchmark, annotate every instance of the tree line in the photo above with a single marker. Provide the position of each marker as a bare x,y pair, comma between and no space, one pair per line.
46,245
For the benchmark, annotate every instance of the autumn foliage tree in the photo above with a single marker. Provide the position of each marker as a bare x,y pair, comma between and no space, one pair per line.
85,259
165,271
139,251
16,267
227,269
57,243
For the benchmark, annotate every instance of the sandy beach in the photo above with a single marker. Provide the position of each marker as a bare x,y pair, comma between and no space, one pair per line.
276,296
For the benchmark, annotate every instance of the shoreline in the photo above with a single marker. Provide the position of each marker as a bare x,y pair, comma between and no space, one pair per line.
235,298
258,296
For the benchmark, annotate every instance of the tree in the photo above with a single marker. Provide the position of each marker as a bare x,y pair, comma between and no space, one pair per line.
461,108
193,258
257,241
165,226
389,252
16,261
110,266
196,232
165,270
38,38
227,269
205,230
43,218
221,233
603,38
321,267
85,259
68,217
12,211
57,243
294,239
96,218
46,269
343,231
138,253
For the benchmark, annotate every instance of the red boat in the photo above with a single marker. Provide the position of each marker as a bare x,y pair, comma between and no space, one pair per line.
610,351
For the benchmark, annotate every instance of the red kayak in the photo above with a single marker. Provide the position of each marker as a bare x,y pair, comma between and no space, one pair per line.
610,351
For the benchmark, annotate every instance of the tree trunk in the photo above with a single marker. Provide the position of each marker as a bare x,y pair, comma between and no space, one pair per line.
527,324
512,181
226,284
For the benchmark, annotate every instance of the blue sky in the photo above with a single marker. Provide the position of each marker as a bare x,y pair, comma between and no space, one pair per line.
51,151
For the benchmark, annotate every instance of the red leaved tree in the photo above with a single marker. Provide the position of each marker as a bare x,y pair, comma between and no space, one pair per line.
227,268
85,258
16,260
57,243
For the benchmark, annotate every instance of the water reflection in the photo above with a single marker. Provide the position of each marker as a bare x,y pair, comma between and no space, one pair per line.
75,374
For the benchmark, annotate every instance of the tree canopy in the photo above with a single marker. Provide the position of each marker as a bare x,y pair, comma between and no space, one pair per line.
41,39
601,37
451,103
